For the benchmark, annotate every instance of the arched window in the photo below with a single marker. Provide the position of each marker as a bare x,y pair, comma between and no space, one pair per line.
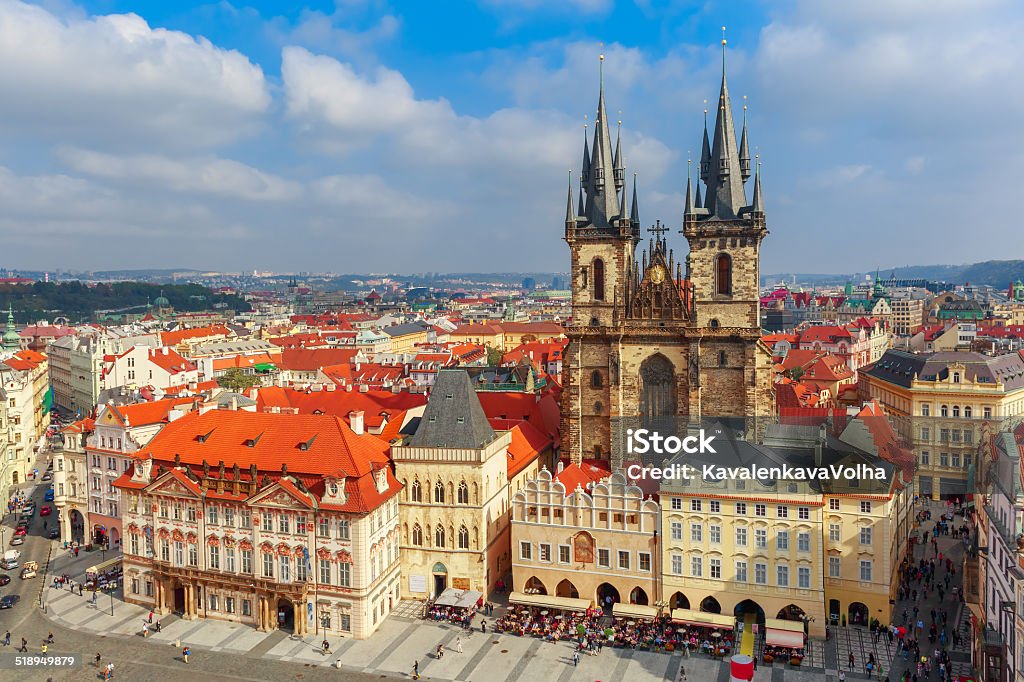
463,493
967,411
956,410
713,323
956,377
721,358
417,535
944,411
439,536
598,279
596,380
439,492
598,407
417,491
463,538
723,275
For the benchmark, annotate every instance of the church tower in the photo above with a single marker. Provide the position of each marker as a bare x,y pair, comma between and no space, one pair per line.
651,344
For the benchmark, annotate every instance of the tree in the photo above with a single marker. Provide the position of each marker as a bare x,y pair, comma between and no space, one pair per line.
796,373
235,379
494,356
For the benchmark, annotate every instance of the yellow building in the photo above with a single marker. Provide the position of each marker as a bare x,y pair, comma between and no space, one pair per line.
405,337
585,535
939,401
454,509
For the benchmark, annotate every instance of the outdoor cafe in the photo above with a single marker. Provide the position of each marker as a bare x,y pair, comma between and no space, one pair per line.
455,606
549,617
783,640
708,633
104,576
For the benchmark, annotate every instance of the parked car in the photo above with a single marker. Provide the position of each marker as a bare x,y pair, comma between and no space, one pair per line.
53,533
29,570
45,510
20,530
29,508
17,540
4,580
48,497
48,476
9,601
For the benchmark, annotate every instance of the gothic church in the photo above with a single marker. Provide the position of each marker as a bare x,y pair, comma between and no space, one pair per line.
655,341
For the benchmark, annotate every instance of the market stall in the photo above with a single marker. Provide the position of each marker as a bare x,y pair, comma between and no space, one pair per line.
783,639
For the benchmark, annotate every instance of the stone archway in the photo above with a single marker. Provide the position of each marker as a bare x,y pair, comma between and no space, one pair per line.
534,583
749,606
567,589
858,614
604,591
657,390
679,601
638,596
77,522
710,605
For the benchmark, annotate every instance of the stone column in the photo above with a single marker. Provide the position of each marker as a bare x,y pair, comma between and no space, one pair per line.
158,596
296,621
190,606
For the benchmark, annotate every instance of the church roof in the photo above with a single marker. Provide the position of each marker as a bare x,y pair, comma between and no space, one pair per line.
453,417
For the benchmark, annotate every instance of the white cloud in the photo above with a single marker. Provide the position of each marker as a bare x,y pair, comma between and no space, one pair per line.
122,80
222,177
559,6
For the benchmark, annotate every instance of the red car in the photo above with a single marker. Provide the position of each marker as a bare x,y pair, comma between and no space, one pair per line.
45,510
20,531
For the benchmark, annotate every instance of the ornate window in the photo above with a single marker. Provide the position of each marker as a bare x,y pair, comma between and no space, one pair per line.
598,279
417,535
723,275
463,538
417,491
463,493
439,492
439,539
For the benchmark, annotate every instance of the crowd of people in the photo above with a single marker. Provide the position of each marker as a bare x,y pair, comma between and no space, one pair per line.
451,614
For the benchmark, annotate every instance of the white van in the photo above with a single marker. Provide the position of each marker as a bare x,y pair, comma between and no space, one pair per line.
10,560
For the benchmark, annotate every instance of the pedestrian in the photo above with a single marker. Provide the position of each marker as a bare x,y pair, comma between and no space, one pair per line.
483,625
98,659
49,638
326,646
851,661
458,644
185,653
145,630
575,658
150,616
440,651
7,638
110,671
44,648
24,645
415,670
842,676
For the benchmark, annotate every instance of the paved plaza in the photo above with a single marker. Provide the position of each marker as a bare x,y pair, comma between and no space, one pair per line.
235,651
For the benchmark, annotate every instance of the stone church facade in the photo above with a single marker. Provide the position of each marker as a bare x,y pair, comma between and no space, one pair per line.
654,340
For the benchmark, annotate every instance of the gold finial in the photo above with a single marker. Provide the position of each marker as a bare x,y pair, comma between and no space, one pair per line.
723,35
744,102
705,108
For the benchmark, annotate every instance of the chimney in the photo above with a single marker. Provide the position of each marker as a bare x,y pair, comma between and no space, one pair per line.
355,420
167,351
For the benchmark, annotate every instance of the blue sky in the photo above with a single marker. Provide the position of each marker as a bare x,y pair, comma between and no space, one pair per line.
362,135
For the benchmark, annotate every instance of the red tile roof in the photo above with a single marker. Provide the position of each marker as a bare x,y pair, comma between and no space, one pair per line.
176,337
142,414
585,476
312,359
170,361
527,444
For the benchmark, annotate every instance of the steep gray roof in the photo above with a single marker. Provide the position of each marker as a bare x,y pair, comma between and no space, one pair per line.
900,367
404,329
725,196
453,417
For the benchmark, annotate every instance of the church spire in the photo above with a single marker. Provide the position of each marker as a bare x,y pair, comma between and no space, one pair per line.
697,203
11,340
705,149
602,206
618,162
757,205
744,150
688,206
634,212
622,204
585,172
570,216
725,196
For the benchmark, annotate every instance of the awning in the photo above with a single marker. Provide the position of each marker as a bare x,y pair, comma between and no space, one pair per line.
264,367
634,611
462,599
708,620
99,568
784,633
544,601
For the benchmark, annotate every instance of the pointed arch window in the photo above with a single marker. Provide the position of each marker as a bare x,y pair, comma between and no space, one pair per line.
723,275
417,491
598,279
439,536
463,538
722,358
439,492
596,380
463,493
417,535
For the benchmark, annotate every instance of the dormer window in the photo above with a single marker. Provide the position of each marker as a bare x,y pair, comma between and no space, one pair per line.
333,488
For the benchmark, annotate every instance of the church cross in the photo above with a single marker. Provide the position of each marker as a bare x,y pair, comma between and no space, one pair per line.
658,229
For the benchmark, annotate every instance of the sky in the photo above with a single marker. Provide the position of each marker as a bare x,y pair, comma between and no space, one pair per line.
374,136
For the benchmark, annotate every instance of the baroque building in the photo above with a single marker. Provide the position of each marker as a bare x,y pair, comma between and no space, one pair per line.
657,340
